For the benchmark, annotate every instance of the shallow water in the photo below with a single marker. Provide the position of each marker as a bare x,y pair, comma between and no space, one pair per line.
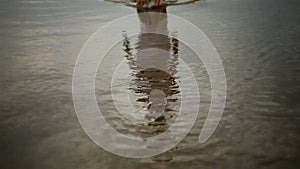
258,42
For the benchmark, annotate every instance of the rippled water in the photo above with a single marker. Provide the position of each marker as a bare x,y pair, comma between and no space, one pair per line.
259,46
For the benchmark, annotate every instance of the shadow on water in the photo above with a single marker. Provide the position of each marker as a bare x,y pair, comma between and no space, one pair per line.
153,61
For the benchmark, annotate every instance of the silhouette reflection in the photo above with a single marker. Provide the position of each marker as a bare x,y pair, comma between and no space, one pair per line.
153,61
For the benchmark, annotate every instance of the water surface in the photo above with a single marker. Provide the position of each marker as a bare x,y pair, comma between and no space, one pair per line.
259,46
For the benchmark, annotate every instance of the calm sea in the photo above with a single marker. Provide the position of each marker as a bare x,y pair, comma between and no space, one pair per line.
259,45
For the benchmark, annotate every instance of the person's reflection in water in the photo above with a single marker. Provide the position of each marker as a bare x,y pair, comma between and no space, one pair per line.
154,64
